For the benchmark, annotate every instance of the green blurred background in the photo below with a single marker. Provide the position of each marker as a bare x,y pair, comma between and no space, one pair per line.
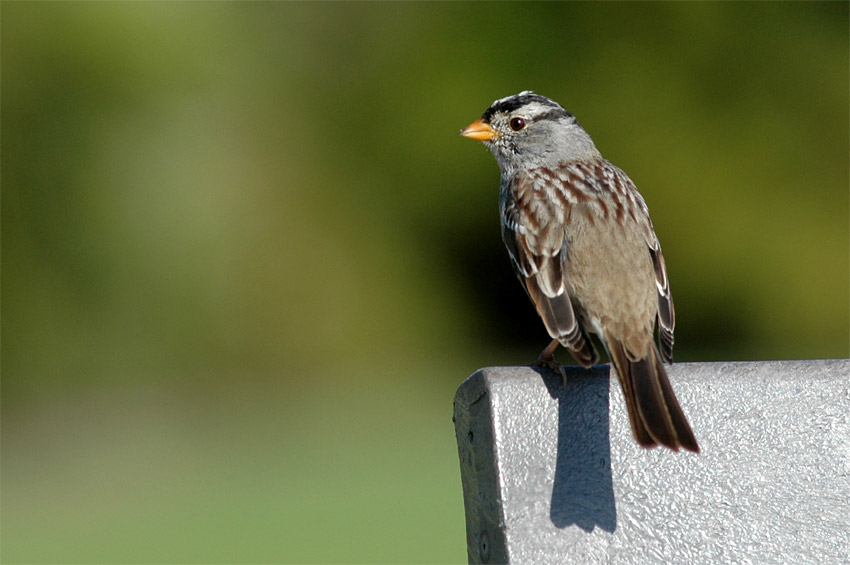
246,260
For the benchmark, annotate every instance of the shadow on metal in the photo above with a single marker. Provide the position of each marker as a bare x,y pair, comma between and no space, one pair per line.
583,490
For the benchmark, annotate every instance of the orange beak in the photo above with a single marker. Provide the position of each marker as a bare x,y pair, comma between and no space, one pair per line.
479,130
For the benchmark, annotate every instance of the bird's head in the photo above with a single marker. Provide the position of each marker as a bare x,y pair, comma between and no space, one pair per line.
529,130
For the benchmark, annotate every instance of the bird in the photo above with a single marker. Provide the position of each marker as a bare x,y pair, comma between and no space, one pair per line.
581,242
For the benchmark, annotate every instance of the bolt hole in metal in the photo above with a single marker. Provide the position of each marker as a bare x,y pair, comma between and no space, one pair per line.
484,546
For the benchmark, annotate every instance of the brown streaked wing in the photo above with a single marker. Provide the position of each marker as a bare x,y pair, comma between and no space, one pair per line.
666,311
538,261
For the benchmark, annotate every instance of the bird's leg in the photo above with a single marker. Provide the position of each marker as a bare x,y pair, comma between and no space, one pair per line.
547,359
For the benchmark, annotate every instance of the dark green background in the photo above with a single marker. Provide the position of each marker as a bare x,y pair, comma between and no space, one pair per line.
246,260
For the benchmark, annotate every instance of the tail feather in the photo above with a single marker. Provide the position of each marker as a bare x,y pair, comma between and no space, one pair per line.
654,411
621,364
684,433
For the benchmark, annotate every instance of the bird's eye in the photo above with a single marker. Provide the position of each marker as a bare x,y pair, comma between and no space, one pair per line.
517,124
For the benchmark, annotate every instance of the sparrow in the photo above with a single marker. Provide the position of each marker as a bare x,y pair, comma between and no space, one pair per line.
580,239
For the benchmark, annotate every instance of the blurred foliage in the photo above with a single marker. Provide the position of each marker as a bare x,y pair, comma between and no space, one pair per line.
246,260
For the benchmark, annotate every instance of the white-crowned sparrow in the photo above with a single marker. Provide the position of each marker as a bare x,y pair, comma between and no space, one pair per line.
581,242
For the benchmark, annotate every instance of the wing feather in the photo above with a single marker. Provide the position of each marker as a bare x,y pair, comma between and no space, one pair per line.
666,312
538,260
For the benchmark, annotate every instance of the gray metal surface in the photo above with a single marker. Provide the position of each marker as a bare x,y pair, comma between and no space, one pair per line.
551,474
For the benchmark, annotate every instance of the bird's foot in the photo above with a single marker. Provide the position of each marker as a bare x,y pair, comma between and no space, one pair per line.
547,359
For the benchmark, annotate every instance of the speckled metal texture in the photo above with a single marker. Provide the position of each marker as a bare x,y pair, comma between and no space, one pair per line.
551,473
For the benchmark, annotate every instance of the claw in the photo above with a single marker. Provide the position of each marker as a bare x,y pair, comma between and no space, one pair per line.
547,359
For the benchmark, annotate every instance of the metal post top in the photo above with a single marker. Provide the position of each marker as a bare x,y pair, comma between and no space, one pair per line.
551,473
